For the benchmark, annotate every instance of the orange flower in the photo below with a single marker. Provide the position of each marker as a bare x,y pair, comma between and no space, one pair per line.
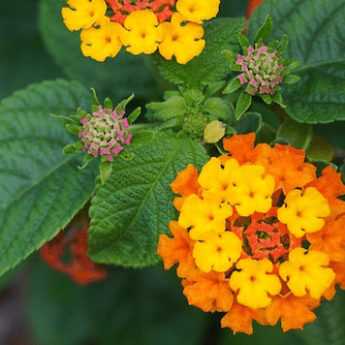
210,292
252,5
339,269
241,147
331,240
239,319
186,182
79,267
330,184
294,312
286,164
177,250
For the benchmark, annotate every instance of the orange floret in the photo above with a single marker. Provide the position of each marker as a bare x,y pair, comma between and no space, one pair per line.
294,312
339,269
177,250
239,319
241,147
210,292
331,240
186,181
286,164
330,184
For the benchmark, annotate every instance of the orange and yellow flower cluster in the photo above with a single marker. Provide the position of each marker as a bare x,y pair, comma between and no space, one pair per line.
172,27
260,236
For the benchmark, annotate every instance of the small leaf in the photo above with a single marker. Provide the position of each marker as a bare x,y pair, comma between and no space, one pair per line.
243,104
123,104
233,86
105,170
218,109
72,148
133,116
278,99
244,42
108,103
292,79
73,129
265,31
267,99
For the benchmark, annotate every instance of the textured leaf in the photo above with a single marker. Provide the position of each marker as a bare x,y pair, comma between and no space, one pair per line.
135,205
211,65
130,307
316,34
118,77
41,190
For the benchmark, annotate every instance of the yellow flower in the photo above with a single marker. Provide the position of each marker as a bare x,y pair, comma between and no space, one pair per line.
247,187
203,216
214,131
101,42
254,192
254,283
182,40
82,14
198,10
217,252
141,35
307,272
304,211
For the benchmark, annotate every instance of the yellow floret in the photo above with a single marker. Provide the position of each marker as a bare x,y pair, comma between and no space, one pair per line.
101,42
304,211
182,40
254,192
217,252
203,216
141,35
198,10
307,272
83,14
254,283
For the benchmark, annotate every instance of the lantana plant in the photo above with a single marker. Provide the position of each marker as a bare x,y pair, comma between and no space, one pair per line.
227,161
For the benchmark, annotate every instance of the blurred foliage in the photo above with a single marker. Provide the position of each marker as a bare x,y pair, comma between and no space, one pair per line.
23,58
143,307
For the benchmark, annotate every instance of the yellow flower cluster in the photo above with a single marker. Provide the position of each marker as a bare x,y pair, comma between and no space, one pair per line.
142,31
253,234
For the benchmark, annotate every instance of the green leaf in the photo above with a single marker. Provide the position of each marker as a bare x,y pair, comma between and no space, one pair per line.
319,96
244,42
320,150
105,169
117,78
172,107
233,86
41,189
265,30
243,104
130,307
218,109
251,122
333,133
135,205
292,79
296,134
211,65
